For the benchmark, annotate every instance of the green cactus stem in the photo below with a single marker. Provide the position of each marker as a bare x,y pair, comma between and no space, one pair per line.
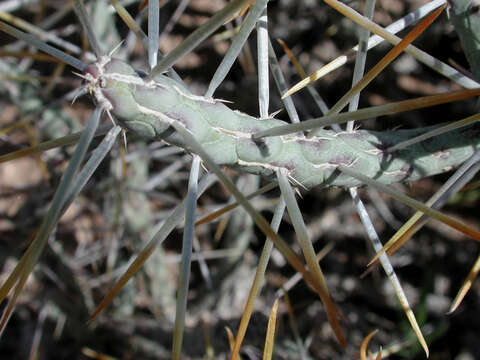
465,17
148,107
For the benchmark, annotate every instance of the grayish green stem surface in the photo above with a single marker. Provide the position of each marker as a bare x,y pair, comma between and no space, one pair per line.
149,108
465,16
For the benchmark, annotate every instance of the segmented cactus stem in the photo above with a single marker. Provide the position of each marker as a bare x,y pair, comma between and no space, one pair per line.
148,107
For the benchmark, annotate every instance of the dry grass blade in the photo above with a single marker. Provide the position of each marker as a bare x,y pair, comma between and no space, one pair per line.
360,60
137,30
79,65
384,62
456,182
130,22
173,219
367,113
8,311
309,254
195,38
467,284
187,245
388,268
364,346
237,44
317,75
216,214
436,132
153,32
93,354
40,33
257,282
281,83
27,54
336,63
47,145
290,283
245,8
293,59
92,37
417,205
400,237
270,337
293,324
231,340
421,56
292,258
301,72
25,266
